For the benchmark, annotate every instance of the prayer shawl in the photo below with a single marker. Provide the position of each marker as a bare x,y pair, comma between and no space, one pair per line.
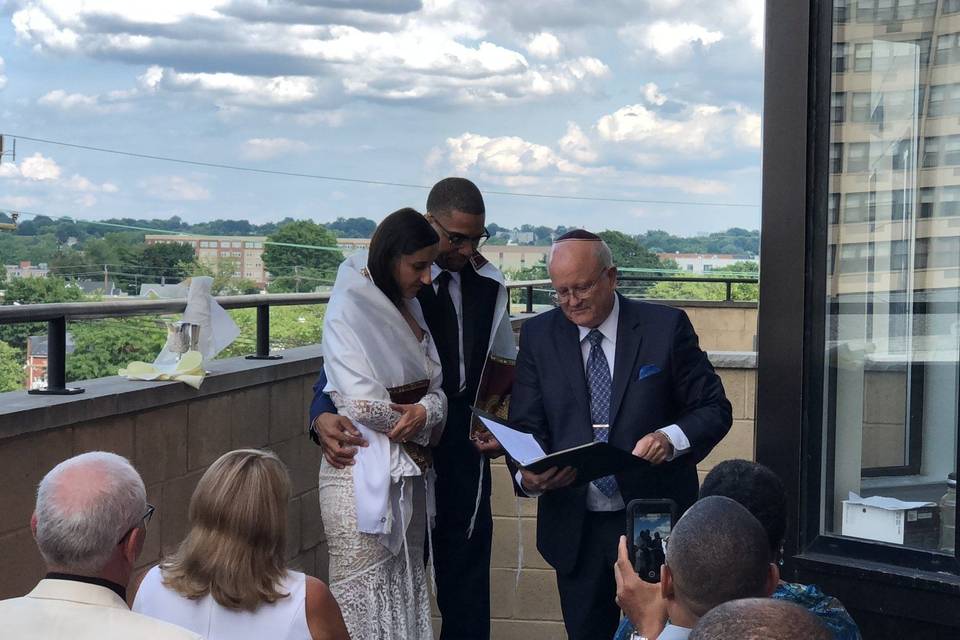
369,348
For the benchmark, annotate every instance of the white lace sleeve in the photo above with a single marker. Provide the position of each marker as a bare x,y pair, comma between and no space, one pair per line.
375,414
435,403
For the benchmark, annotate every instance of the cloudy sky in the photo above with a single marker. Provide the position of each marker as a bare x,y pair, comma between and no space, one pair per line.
643,100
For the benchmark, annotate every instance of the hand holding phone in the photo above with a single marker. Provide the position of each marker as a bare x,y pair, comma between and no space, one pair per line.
649,523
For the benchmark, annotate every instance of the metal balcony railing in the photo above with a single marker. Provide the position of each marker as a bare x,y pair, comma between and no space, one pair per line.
56,315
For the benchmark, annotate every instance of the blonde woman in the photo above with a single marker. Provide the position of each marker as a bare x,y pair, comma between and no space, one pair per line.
228,579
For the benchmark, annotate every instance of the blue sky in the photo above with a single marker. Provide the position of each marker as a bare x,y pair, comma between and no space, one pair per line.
633,99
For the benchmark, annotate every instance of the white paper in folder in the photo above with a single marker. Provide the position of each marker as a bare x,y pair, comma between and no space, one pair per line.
522,447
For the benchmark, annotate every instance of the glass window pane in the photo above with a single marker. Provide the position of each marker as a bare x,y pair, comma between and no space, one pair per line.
892,373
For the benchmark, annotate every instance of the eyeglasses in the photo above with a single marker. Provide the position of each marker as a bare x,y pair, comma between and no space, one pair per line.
145,519
458,239
581,292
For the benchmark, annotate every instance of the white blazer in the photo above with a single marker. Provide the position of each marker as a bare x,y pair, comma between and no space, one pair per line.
69,610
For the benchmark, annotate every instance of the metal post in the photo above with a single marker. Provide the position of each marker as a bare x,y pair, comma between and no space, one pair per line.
56,361
263,335
729,291
530,299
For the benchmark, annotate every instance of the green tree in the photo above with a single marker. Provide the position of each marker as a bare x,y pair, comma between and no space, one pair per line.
295,326
352,227
164,260
628,253
33,291
710,290
102,347
11,368
302,267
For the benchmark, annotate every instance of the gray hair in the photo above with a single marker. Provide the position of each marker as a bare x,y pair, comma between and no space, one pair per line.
85,505
601,251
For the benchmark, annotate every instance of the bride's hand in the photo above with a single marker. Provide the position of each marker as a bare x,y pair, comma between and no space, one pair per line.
412,419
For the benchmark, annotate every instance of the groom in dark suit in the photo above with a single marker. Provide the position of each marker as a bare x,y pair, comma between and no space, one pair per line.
602,367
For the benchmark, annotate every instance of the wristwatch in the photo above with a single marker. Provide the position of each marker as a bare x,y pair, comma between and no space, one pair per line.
636,635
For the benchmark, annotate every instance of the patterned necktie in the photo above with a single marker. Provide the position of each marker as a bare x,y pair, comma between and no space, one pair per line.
599,384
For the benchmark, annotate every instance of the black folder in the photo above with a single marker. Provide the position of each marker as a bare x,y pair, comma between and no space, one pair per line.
592,460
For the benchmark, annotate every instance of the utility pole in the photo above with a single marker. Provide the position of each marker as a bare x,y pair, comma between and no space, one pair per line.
4,151
296,277
106,279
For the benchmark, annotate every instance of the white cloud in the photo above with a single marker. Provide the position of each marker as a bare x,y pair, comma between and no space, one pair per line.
60,99
242,90
544,45
3,77
700,129
40,168
266,148
506,156
669,39
175,188
439,53
18,202
651,93
577,145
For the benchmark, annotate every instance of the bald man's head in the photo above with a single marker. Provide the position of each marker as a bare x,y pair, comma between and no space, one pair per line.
85,505
760,619
718,552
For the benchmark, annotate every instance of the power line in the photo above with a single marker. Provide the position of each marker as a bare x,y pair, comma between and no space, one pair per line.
384,183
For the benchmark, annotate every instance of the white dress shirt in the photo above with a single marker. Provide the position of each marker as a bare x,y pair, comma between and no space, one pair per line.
457,297
596,500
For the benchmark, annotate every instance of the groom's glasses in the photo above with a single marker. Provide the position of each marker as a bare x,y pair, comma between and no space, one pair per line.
581,292
459,239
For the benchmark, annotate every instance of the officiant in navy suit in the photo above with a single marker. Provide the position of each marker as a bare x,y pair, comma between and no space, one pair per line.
603,367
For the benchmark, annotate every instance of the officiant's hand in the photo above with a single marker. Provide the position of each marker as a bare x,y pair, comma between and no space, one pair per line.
654,447
488,445
412,419
552,478
339,439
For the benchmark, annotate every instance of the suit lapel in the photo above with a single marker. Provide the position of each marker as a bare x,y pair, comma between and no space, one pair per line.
571,357
629,338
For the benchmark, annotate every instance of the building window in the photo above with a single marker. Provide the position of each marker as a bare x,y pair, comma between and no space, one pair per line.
866,10
902,152
838,105
951,6
947,52
861,107
863,56
833,208
836,157
858,157
840,51
841,11
855,207
931,152
949,204
951,150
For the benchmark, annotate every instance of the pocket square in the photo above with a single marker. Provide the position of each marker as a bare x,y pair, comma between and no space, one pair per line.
647,370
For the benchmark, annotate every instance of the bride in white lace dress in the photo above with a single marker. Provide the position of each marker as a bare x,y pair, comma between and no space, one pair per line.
383,373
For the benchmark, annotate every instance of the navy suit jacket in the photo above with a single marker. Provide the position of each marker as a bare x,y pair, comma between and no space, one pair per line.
678,385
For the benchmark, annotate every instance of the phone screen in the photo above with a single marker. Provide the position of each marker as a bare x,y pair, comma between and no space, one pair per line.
650,534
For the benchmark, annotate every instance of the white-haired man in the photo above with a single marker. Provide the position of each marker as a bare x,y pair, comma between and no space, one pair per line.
89,523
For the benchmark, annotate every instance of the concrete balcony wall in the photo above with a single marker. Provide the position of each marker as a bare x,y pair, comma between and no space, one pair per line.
171,433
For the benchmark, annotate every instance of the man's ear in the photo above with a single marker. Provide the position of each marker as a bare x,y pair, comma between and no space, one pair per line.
773,578
33,524
666,583
134,545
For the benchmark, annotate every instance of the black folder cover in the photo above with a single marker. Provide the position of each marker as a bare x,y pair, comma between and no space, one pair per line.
592,460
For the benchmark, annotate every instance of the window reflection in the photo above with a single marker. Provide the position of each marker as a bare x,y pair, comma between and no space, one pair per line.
893,319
